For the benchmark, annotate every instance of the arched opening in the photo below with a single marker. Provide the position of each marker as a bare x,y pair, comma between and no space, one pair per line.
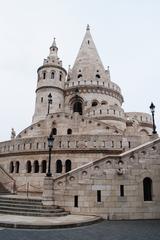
52,75
54,131
79,76
11,167
147,189
69,131
94,103
28,167
17,167
77,107
36,166
98,76
44,166
58,166
60,76
44,75
68,165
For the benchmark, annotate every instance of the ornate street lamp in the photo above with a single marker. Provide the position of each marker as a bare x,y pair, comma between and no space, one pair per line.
50,146
49,101
152,108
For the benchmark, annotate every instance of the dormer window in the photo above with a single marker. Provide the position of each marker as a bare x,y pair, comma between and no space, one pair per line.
79,76
52,75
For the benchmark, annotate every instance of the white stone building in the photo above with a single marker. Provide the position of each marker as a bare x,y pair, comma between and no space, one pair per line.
104,162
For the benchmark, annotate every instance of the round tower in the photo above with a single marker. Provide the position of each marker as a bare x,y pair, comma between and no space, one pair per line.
51,78
89,89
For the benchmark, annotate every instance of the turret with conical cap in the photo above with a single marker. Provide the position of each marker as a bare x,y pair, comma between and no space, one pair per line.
51,78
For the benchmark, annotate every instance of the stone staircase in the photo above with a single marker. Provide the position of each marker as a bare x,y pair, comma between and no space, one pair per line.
28,207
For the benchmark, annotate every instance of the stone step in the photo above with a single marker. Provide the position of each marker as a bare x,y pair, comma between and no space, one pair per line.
39,210
25,205
57,214
28,207
32,200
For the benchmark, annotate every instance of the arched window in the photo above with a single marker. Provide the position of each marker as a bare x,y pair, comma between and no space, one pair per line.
28,167
77,107
79,76
94,103
11,167
58,166
147,189
60,76
52,75
44,75
69,131
68,165
17,167
44,166
54,131
36,166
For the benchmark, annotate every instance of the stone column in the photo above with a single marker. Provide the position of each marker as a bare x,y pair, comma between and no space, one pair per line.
48,191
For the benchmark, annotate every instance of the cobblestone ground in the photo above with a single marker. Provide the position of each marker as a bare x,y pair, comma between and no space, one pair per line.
106,230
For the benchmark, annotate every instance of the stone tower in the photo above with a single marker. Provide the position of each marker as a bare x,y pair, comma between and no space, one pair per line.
51,78
90,89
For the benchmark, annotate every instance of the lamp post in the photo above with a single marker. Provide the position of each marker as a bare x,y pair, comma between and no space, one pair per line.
50,146
152,108
49,101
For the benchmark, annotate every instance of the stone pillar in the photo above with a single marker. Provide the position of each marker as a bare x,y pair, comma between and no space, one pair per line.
48,191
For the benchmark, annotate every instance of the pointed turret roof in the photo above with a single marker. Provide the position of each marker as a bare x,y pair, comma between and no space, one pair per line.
53,55
88,62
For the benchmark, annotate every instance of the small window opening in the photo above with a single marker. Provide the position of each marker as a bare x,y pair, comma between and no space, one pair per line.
147,189
54,131
44,166
58,166
129,144
68,165
88,42
41,99
98,195
17,167
60,77
52,75
79,76
36,166
28,167
44,75
11,167
69,131
98,76
94,103
76,201
122,190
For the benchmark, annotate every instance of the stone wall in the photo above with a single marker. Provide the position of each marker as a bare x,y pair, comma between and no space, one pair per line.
112,187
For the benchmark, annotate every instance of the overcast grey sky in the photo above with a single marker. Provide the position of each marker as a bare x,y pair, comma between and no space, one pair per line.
126,34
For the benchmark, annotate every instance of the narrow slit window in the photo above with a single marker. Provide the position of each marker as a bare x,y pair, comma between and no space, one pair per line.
98,195
76,201
122,190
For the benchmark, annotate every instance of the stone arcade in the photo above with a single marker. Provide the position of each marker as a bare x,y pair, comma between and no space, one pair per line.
105,161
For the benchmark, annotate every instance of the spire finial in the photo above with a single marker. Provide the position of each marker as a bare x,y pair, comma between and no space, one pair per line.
88,27
54,42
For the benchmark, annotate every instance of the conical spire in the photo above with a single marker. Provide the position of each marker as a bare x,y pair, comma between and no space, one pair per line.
54,48
88,62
